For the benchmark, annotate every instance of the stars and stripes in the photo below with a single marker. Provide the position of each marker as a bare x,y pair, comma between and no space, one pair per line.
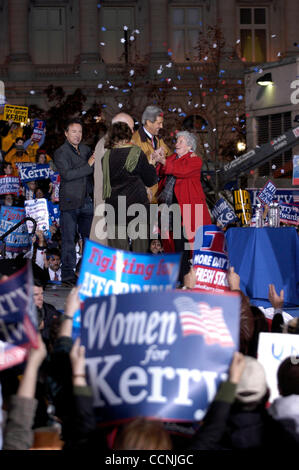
201,319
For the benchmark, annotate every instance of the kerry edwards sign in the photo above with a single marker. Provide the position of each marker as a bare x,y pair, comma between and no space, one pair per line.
160,355
34,172
18,324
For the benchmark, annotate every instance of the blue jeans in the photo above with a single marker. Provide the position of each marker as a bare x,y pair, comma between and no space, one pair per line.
72,222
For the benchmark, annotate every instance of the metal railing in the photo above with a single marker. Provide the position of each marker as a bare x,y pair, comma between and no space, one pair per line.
12,229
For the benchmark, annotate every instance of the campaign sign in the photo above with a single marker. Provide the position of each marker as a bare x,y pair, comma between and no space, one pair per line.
33,172
54,212
267,193
223,213
242,205
38,210
15,113
160,355
18,321
295,170
55,180
9,185
282,195
210,259
273,349
38,130
289,214
18,241
106,271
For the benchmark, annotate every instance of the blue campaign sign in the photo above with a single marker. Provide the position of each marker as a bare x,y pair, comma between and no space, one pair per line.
210,259
289,214
223,213
19,239
105,271
33,172
9,185
18,321
267,194
295,180
282,195
160,355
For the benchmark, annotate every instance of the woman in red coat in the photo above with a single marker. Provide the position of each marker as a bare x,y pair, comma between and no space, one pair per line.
180,183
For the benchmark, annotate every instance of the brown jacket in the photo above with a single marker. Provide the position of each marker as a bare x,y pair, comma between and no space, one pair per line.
140,138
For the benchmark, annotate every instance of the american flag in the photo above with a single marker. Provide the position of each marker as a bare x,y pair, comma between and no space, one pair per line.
201,319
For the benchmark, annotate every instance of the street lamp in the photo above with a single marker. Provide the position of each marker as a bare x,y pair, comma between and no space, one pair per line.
265,80
241,146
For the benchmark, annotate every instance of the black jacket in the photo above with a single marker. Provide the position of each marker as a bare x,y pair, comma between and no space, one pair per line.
76,175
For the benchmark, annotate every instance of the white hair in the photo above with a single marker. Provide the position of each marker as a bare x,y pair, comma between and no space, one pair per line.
191,140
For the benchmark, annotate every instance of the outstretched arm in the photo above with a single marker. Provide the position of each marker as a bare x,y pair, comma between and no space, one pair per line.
18,433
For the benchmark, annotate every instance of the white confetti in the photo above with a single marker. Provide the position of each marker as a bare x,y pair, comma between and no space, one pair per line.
214,130
126,28
136,31
238,41
206,145
179,110
120,105
196,105
111,87
159,71
32,92
203,105
83,112
282,171
102,43
205,58
273,167
169,65
122,40
174,88
214,45
132,38
132,73
273,35
279,54
95,72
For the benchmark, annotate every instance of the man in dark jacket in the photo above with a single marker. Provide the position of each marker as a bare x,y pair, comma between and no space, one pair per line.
74,163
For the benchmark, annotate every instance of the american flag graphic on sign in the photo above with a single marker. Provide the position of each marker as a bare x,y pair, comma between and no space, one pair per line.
201,319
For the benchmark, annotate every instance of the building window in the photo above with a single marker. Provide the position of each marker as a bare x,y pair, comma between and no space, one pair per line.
48,45
253,34
112,23
270,127
186,24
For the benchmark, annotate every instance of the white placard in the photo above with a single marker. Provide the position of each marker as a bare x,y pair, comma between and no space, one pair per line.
273,348
38,210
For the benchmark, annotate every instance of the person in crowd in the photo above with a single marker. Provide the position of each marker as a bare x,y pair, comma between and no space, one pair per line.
285,409
9,133
46,313
18,433
32,146
8,200
42,158
7,169
147,138
18,155
74,162
155,247
98,231
50,261
126,172
181,184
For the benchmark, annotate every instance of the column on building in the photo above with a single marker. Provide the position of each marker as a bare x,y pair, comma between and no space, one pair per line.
291,21
227,11
89,39
20,66
158,30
